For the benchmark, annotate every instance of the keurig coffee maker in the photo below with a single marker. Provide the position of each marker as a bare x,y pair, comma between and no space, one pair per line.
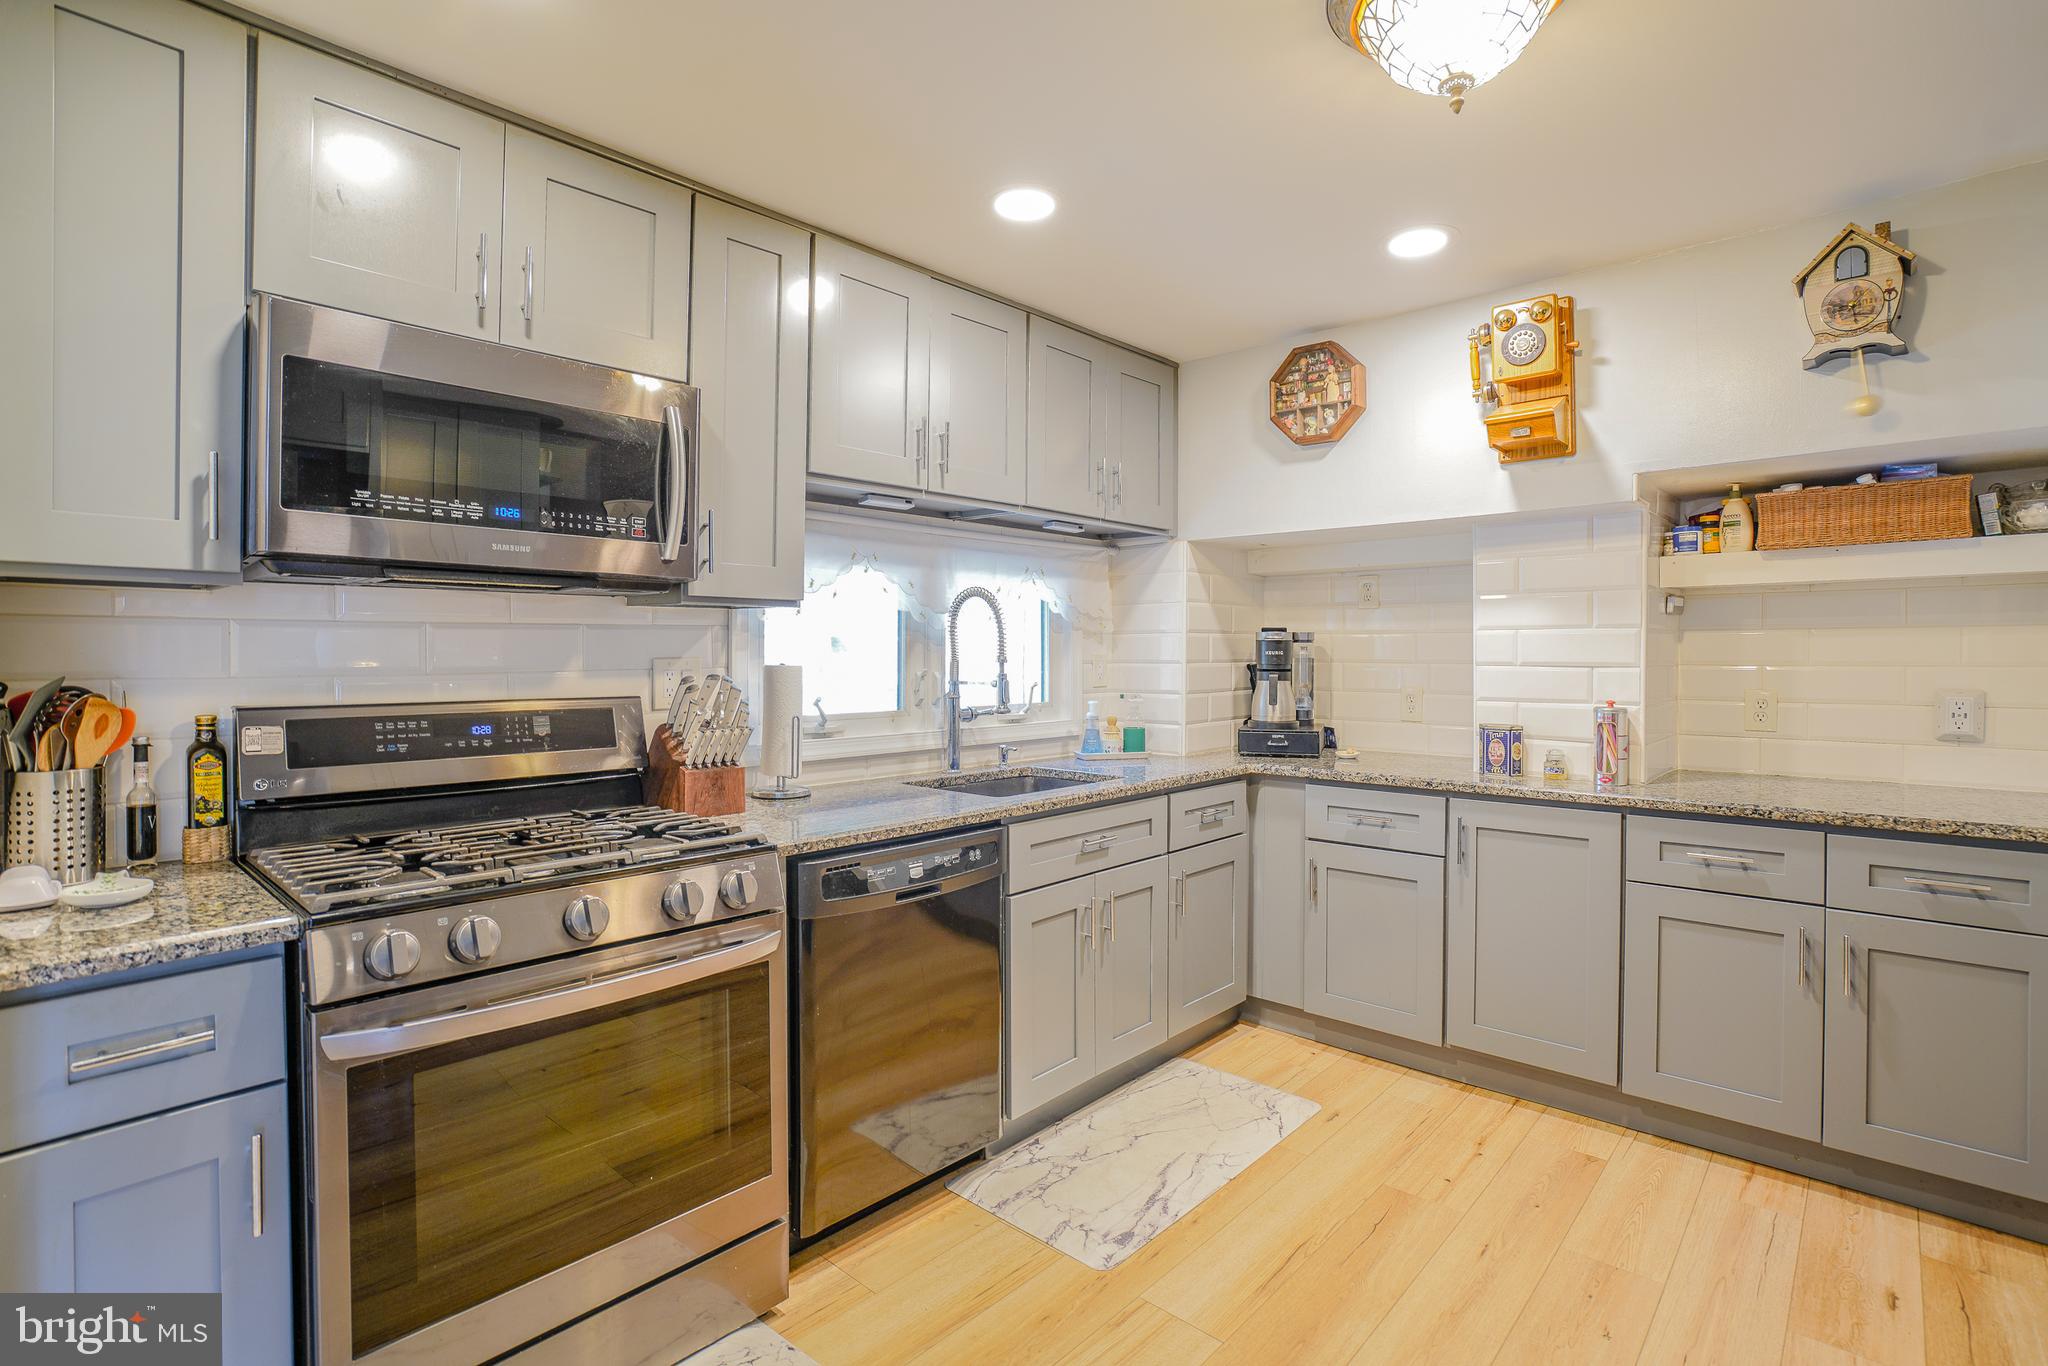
1282,721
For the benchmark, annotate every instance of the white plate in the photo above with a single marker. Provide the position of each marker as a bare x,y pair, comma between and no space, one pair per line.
108,889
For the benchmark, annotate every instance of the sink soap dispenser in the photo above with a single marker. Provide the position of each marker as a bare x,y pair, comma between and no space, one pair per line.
1091,731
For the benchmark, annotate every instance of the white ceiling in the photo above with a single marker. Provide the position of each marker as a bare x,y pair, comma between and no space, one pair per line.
1227,171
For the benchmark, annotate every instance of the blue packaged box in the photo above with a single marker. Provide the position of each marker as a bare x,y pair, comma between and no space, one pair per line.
1917,469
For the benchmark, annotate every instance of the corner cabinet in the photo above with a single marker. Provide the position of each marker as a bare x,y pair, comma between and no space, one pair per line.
123,147
1102,429
1533,937
1374,955
1142,440
750,360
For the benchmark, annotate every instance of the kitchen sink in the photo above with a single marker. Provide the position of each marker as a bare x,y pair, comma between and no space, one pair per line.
1018,784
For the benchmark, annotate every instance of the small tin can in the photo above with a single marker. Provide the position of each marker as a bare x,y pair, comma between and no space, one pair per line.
1685,540
1610,746
1500,751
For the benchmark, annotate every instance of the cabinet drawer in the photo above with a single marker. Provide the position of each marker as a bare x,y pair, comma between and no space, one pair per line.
1724,856
1403,821
1053,848
1994,889
71,1063
1207,813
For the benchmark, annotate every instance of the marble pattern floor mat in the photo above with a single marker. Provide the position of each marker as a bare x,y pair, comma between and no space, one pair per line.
754,1345
1105,1181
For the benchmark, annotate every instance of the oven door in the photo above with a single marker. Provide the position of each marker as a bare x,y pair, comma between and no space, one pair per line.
497,1156
391,447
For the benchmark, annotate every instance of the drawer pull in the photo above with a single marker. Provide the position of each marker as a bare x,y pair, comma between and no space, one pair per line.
1379,822
256,1185
1802,959
1720,860
1212,814
1095,844
1946,887
100,1062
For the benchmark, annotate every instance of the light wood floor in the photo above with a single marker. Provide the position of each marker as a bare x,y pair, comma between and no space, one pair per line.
1417,1220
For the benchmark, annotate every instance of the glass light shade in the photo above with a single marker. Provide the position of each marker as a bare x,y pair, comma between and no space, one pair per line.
1445,47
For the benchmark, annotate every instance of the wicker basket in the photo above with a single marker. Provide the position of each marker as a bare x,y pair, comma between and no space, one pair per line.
1865,514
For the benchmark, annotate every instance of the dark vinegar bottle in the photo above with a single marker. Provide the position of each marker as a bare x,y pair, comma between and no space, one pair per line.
206,777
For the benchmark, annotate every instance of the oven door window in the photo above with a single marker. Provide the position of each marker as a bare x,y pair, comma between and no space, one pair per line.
477,1166
377,445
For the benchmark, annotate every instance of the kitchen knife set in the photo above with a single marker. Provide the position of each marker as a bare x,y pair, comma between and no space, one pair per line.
708,723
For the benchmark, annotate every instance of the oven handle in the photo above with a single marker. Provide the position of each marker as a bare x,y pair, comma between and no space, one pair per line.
407,1036
682,449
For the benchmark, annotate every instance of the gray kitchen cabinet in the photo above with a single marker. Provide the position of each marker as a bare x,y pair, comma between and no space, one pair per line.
1132,930
1963,884
1142,414
977,397
123,148
1279,892
1055,848
870,368
1374,955
374,196
1935,1056
196,1201
596,259
1533,937
1067,442
1211,899
1049,967
750,361
1721,1006
1775,862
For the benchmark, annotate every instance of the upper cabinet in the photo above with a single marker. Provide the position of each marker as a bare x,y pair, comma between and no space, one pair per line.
978,355
1142,408
379,198
750,359
871,368
122,146
1069,422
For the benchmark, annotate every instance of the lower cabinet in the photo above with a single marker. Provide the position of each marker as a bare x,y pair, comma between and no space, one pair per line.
1131,934
197,1200
1375,940
1049,988
1935,1049
1533,937
1721,1006
1211,897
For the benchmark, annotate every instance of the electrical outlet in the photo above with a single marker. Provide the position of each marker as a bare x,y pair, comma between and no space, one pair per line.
1759,710
668,676
1411,704
1098,673
1369,591
1959,717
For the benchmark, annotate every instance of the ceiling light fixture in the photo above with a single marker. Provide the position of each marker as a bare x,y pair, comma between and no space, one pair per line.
1416,242
1025,205
1440,47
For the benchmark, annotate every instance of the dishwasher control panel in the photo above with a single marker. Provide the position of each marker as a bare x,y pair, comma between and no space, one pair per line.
865,877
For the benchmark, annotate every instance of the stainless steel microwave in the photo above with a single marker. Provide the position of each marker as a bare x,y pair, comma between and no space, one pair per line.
398,454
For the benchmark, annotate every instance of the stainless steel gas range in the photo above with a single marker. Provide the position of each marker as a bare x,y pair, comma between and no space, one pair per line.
543,1062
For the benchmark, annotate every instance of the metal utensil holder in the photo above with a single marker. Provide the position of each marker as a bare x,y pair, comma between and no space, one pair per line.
59,821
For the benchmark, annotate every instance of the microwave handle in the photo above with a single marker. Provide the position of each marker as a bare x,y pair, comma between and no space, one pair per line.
680,446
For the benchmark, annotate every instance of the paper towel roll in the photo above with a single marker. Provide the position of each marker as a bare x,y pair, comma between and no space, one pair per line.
782,702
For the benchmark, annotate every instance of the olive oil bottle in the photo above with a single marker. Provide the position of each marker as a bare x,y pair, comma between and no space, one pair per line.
206,777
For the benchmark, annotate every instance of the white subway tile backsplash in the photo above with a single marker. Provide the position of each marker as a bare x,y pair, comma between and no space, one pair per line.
1529,610
2021,604
1601,569
39,647
1828,759
1577,647
59,600
453,648
1721,612
1531,536
282,649
1531,684
379,603
1836,608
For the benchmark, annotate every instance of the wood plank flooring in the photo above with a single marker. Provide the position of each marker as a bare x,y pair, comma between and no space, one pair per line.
1419,1220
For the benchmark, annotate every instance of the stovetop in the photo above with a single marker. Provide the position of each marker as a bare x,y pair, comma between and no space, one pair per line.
374,873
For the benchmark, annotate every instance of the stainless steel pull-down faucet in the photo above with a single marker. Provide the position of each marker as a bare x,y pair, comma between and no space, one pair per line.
955,713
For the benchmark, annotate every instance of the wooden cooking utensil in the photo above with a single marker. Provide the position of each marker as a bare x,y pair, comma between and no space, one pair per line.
127,731
46,750
96,734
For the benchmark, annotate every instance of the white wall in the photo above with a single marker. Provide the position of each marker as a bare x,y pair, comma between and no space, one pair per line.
1691,358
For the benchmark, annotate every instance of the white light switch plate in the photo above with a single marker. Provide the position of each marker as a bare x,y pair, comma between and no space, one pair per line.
1959,717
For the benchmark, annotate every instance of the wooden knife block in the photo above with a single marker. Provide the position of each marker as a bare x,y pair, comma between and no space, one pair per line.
718,791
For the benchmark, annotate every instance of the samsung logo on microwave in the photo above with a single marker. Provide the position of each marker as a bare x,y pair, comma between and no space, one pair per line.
505,545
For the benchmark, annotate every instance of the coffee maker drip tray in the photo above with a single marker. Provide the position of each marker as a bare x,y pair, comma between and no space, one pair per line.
1255,739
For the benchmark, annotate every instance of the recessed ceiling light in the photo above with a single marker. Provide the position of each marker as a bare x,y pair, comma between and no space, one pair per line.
1025,205
1419,242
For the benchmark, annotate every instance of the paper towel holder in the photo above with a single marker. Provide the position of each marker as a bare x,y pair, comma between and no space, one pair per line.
782,790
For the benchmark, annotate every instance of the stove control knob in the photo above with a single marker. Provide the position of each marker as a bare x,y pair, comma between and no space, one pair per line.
738,889
474,938
587,917
392,954
685,901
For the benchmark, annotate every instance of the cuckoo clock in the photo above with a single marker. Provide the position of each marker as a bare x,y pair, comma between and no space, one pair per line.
1318,392
1852,292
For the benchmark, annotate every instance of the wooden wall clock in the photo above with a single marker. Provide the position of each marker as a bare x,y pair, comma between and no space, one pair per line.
1318,392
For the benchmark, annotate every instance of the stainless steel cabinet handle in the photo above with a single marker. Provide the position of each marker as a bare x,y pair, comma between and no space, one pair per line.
213,495
1119,485
483,275
919,452
1379,822
1461,842
1110,902
256,1185
945,448
99,1062
1180,900
1848,952
1095,844
710,541
1801,950
1210,815
1941,885
1312,873
1720,860
1087,914
526,306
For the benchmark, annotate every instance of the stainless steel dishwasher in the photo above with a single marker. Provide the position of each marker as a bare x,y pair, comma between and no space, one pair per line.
899,1006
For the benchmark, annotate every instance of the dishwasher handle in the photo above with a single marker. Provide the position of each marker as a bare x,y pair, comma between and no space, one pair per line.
810,906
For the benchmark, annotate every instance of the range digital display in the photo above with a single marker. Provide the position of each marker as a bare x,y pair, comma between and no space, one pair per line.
330,741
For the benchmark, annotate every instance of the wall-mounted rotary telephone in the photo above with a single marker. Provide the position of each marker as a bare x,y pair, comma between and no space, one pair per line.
1522,360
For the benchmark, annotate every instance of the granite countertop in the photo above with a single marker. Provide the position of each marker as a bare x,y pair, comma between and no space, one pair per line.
191,913
888,809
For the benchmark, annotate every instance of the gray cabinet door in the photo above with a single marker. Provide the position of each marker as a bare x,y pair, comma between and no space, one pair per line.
123,150
1067,443
1049,1008
870,368
750,347
1533,942
193,1201
978,355
1279,891
597,259
1212,903
1132,931
1721,1006
374,196
1375,950
1935,1054
1142,413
